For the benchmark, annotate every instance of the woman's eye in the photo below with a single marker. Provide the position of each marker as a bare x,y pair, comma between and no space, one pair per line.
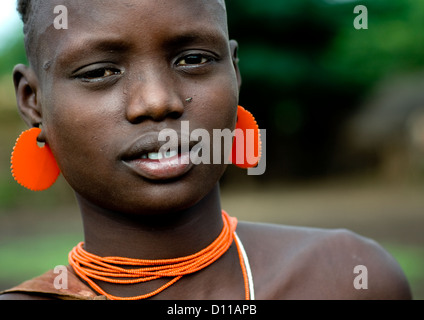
193,59
99,74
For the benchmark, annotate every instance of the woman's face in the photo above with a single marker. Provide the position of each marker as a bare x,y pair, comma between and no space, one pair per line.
121,73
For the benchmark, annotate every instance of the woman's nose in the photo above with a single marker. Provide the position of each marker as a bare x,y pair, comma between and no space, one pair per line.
154,98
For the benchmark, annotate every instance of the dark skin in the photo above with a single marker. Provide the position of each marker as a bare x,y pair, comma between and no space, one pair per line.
102,84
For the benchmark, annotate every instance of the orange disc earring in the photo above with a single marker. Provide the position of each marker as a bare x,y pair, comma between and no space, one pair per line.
246,151
33,167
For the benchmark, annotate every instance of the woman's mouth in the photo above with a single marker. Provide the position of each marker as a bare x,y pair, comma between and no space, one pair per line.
147,157
160,155
161,166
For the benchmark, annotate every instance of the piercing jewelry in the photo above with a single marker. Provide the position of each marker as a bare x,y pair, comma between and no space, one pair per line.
246,150
189,100
33,167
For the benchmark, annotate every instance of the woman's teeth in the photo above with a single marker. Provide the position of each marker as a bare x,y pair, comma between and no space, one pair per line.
160,155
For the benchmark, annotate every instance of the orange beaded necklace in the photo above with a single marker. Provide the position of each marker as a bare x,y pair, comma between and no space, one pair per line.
111,269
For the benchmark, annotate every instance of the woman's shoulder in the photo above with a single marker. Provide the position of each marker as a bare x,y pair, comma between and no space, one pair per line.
291,262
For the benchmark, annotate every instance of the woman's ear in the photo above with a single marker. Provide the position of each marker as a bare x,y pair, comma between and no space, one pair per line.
26,87
234,54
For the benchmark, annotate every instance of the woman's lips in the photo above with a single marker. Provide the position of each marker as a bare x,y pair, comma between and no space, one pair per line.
157,166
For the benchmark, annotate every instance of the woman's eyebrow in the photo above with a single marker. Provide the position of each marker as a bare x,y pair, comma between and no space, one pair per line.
209,37
88,47
73,51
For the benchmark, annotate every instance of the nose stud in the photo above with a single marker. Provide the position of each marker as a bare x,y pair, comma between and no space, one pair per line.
189,100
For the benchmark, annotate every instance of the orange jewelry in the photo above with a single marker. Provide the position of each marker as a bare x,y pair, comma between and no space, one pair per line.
244,154
112,269
33,167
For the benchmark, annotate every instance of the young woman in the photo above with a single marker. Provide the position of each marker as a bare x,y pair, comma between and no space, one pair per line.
101,91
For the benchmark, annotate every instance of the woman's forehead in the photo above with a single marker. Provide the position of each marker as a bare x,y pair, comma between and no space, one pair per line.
93,8
144,18
139,16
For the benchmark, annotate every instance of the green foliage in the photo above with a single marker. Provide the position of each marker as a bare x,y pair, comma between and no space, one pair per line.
411,260
29,257
13,54
393,43
306,54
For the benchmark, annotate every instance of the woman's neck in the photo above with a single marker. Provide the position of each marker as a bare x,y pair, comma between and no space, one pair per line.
163,236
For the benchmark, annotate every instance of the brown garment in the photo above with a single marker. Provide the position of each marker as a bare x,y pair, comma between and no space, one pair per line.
44,285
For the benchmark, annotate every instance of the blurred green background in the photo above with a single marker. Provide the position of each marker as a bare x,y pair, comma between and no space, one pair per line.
344,114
